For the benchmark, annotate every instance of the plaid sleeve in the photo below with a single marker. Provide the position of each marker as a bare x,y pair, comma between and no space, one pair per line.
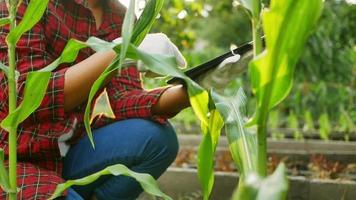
128,99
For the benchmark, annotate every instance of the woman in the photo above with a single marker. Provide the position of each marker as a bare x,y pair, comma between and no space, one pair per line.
52,144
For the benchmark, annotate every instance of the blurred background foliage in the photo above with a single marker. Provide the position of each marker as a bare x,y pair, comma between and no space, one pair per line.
324,92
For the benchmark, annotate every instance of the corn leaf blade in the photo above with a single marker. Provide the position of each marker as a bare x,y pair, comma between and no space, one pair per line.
287,25
6,69
35,89
33,14
127,29
4,21
206,151
68,55
242,141
4,178
147,182
145,22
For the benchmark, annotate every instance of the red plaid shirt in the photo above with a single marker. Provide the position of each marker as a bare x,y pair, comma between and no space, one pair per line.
39,167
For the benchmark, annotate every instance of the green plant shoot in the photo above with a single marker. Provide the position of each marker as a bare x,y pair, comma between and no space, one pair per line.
287,26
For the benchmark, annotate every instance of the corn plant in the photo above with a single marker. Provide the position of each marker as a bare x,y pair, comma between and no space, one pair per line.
286,25
37,81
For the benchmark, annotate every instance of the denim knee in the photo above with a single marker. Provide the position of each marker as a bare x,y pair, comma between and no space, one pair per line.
165,145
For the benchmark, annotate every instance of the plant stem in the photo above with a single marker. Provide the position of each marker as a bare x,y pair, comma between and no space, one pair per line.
262,121
262,144
257,41
12,107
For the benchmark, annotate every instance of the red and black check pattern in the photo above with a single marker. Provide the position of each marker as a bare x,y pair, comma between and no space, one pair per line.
39,165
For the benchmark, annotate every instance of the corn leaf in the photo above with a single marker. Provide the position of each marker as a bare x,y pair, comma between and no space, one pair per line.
253,6
117,64
242,141
206,151
211,121
147,182
273,187
145,22
6,69
4,21
35,88
167,66
33,14
4,178
287,25
68,55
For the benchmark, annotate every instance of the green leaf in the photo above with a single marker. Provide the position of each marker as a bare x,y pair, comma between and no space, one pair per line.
242,140
4,178
6,69
252,6
324,126
146,20
211,120
206,165
147,182
116,65
274,187
33,14
160,64
4,21
68,55
35,88
199,101
206,151
287,25
100,45
167,66
127,29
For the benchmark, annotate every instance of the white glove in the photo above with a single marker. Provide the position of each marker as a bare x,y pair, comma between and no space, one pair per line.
158,43
227,71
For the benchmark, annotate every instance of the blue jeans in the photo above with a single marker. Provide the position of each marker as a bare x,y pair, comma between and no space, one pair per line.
141,145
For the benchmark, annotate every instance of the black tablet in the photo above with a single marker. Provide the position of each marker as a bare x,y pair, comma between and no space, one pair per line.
195,72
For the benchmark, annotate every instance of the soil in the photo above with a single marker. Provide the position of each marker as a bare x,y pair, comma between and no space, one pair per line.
317,166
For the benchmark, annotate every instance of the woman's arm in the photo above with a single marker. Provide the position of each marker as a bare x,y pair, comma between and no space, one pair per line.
80,77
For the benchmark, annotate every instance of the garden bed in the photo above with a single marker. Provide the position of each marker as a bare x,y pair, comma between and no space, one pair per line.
316,169
182,184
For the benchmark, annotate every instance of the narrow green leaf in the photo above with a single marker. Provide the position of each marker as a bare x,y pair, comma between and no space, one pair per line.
287,25
206,165
4,21
206,151
324,126
167,66
127,29
35,88
100,45
274,187
68,55
4,178
199,100
6,69
147,182
116,65
252,6
33,14
160,64
145,22
242,141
